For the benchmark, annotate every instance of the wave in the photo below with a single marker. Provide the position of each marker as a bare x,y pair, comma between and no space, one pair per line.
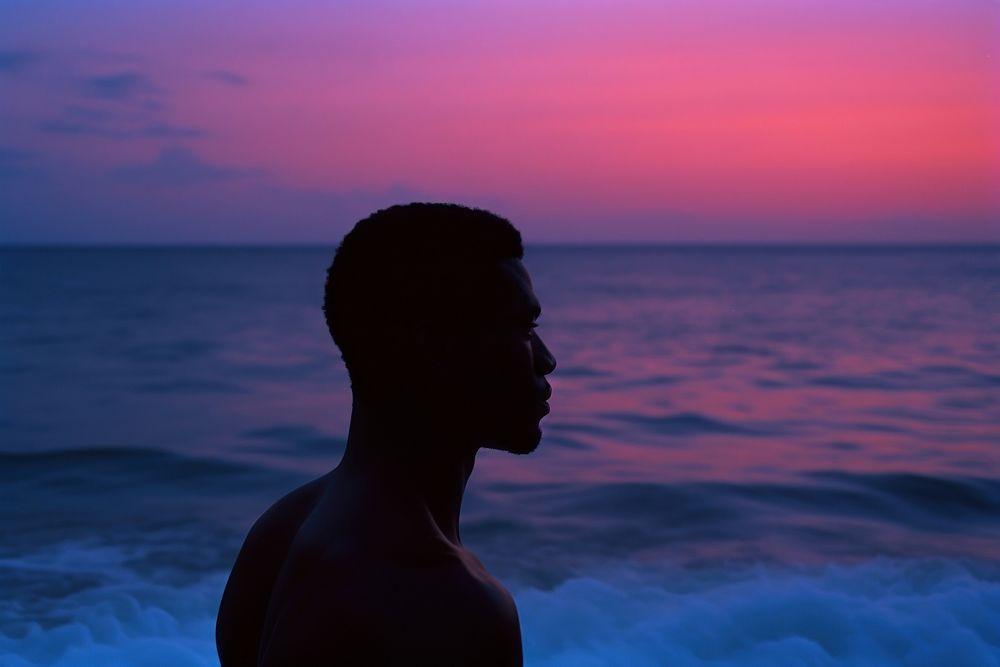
97,467
886,496
295,438
116,618
134,493
687,423
904,614
898,613
814,517
131,495
925,378
946,499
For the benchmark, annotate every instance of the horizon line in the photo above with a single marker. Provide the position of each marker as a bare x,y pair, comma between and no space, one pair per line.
568,245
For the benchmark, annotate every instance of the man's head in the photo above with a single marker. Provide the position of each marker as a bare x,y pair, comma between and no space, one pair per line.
433,312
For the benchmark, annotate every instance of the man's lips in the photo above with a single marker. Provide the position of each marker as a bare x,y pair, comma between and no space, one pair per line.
545,400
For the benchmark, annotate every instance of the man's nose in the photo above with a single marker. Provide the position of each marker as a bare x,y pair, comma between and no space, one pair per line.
545,362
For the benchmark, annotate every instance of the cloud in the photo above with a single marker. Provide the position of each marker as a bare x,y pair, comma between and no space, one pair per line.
15,61
178,166
122,105
120,86
82,121
108,124
169,131
177,197
227,77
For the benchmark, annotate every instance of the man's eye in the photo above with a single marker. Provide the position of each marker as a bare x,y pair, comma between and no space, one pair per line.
533,325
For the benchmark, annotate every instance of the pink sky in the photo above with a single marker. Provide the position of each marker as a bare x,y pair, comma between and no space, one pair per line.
741,121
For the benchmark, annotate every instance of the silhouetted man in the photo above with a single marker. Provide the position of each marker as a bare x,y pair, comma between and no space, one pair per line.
434,313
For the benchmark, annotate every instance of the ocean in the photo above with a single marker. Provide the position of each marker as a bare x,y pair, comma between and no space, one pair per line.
756,456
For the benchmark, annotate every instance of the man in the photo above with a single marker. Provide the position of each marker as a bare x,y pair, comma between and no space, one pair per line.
434,315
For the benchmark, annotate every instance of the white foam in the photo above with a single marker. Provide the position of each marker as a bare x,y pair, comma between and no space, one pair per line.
898,613
125,620
904,614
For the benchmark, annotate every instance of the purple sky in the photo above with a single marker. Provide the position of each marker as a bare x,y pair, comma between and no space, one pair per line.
632,121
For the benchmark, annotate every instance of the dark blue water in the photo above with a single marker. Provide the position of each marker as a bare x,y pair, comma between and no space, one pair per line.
754,457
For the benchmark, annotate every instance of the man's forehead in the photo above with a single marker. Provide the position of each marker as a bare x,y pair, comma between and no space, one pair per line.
517,296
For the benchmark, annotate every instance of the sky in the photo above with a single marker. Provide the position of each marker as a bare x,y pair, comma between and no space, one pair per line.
625,121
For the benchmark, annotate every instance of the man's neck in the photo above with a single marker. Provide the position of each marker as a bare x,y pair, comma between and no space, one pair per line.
410,467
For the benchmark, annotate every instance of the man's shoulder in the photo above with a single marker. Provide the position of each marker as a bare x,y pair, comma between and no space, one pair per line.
244,602
386,607
444,589
268,540
291,508
435,575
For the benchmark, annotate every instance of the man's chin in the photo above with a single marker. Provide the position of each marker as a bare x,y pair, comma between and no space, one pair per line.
521,444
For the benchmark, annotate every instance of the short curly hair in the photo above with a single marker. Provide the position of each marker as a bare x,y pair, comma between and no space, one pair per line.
429,265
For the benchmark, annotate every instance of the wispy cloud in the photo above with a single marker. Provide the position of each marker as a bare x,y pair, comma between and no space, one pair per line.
178,166
108,124
227,76
170,131
210,203
126,104
17,60
120,85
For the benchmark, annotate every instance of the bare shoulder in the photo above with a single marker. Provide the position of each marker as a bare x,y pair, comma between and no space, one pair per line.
441,608
244,602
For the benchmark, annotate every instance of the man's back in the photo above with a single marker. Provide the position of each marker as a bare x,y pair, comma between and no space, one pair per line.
316,585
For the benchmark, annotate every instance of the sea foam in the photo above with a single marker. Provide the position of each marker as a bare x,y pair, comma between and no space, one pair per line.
926,613
905,614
